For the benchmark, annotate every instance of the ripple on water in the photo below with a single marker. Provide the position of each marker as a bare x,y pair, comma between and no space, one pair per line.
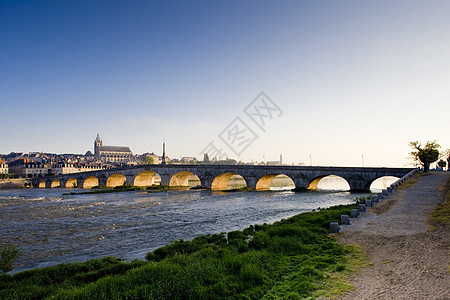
51,228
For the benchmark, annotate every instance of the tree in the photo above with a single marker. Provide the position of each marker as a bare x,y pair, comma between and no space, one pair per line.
148,160
442,164
8,256
426,154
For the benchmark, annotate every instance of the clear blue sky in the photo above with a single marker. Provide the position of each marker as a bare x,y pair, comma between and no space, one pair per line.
352,78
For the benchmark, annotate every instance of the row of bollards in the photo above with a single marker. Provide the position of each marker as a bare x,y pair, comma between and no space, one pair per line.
356,213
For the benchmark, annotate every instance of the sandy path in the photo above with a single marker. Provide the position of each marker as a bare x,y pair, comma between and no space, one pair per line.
408,262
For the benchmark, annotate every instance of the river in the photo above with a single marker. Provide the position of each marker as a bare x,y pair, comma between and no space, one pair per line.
52,228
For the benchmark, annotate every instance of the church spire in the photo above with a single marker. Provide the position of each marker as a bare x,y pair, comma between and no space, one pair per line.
98,142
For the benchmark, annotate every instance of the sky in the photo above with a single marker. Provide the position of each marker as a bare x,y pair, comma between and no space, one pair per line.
344,83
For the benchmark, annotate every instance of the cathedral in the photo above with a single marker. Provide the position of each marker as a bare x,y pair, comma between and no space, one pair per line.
111,154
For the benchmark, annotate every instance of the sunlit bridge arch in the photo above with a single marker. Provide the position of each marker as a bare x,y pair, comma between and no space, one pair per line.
71,183
55,183
90,182
381,183
42,184
329,182
145,178
184,178
275,182
116,179
228,180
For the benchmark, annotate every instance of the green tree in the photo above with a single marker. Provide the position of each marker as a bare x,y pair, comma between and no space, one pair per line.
425,154
442,164
8,256
148,160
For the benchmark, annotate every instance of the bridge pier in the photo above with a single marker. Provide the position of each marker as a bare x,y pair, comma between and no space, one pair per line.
251,181
129,179
165,179
301,183
358,185
206,180
102,181
62,183
80,182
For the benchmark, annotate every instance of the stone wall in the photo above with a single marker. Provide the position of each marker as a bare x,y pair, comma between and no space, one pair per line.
13,183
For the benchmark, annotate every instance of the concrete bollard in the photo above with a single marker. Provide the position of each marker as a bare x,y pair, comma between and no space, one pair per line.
362,207
389,189
334,227
354,213
345,220
374,199
369,203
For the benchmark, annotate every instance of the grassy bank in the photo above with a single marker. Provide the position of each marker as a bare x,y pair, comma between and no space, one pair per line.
290,259
440,215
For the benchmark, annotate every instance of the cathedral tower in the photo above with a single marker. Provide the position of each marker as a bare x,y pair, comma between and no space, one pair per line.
98,142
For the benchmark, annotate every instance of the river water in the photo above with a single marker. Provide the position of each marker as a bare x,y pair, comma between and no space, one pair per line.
53,228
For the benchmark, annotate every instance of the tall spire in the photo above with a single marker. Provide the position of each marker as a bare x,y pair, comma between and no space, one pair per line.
163,162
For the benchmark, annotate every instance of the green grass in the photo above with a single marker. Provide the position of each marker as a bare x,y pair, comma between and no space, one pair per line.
105,190
290,259
440,215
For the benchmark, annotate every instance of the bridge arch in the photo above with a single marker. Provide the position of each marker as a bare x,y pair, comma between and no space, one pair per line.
116,179
182,179
329,182
145,178
42,184
55,183
221,181
90,182
381,183
71,183
275,182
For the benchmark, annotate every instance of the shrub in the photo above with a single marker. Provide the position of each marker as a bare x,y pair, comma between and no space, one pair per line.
8,256
259,241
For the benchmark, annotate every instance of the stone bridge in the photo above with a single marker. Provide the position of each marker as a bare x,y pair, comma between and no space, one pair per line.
216,177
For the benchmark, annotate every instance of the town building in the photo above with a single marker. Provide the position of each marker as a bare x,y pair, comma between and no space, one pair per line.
71,168
25,169
188,159
112,154
3,167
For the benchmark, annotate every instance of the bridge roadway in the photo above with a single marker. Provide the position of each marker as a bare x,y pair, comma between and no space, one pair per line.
216,176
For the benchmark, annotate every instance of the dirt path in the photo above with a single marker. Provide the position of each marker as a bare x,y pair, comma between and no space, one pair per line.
408,262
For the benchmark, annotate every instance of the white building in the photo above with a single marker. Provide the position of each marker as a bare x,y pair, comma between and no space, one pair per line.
4,168
70,168
27,170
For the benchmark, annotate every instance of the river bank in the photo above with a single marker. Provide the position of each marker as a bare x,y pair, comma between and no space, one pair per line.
408,254
53,228
14,183
291,258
